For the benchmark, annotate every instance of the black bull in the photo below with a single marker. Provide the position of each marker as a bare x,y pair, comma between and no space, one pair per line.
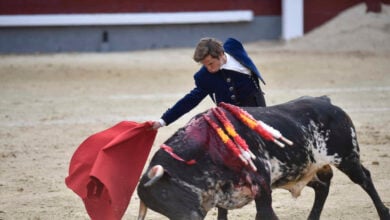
322,134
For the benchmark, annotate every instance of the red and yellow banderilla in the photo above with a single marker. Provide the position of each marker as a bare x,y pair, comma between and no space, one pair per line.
264,130
242,145
229,143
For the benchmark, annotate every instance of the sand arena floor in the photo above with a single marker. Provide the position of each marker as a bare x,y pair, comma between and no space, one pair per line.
50,103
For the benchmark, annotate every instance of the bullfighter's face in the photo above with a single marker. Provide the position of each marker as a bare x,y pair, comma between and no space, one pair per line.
214,64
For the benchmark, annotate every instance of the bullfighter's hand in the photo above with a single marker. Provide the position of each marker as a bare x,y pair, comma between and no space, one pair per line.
156,125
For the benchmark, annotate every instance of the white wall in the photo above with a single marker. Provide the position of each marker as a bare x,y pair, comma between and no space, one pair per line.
292,19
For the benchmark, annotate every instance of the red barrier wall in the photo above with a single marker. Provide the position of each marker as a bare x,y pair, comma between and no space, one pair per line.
260,7
316,12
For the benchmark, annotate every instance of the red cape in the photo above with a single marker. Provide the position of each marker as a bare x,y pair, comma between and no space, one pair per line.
105,169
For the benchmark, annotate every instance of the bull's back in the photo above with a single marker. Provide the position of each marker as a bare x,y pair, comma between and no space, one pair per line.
327,122
322,134
300,113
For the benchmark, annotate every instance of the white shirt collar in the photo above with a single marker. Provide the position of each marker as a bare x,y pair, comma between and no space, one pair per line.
233,64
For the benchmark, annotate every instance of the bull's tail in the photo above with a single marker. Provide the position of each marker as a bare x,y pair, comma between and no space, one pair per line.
142,210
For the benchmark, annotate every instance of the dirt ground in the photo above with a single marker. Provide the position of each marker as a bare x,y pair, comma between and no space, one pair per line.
50,103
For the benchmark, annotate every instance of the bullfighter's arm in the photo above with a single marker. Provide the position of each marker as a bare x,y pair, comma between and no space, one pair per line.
184,105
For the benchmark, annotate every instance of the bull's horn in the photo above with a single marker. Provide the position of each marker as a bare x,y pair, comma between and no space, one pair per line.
155,173
142,210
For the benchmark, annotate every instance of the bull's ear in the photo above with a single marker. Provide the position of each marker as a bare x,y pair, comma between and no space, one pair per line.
155,173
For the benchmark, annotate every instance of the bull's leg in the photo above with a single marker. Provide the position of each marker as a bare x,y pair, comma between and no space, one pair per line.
222,214
321,189
352,167
142,210
264,210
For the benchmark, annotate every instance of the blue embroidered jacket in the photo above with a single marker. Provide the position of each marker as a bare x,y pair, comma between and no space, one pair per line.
224,86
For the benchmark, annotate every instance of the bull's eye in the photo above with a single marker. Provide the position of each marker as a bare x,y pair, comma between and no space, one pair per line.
164,194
